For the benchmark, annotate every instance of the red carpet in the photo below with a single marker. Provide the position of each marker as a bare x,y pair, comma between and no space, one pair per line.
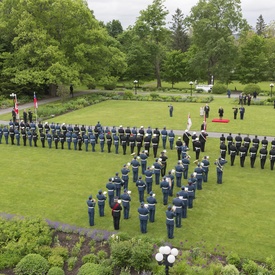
220,120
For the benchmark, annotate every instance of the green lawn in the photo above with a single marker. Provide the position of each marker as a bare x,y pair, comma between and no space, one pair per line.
55,184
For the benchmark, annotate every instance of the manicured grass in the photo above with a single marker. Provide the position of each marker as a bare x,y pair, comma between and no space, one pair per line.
55,184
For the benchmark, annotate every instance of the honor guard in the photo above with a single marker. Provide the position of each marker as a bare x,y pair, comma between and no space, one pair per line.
141,185
40,127
101,141
125,197
57,129
179,145
111,191
147,142
163,159
116,212
85,140
109,141
151,200
178,204
157,168
171,137
263,155
172,178
134,132
116,143
127,134
242,153
149,179
185,164
138,143
199,175
184,150
202,138
229,139
264,142
56,140
247,141
205,165
92,141
123,143
253,155
143,159
47,128
219,168
143,217
191,193
12,134
17,137
83,130
197,145
132,143
194,136
69,139
29,135
135,166
64,129
170,223
272,157
223,149
186,137
164,137
155,145
164,185
233,153
113,131
125,175
141,133
238,142
52,127
120,133
79,141
179,171
91,210
101,202
118,184
34,138
24,136
149,132
184,195
6,134
74,140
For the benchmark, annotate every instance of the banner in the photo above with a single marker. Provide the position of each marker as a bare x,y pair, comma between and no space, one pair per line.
189,122
35,101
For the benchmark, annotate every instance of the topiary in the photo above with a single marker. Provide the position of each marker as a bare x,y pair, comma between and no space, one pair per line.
56,271
229,270
219,89
251,88
32,264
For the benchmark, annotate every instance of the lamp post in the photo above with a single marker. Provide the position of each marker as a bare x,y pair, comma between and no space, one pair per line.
191,84
135,82
271,88
166,256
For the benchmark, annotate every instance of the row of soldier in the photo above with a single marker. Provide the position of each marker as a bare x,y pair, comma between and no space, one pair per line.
246,146
183,200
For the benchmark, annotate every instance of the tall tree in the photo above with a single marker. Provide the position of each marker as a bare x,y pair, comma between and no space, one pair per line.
114,28
180,39
260,25
213,23
151,30
253,62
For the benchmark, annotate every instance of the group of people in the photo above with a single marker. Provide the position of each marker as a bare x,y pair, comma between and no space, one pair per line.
243,147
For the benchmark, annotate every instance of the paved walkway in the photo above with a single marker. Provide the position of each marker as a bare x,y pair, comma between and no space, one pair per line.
53,99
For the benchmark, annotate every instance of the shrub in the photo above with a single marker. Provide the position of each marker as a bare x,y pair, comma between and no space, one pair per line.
9,259
90,258
219,89
128,95
94,269
250,267
32,264
71,263
60,251
56,260
234,259
251,88
102,255
230,270
121,253
56,271
154,96
109,82
270,262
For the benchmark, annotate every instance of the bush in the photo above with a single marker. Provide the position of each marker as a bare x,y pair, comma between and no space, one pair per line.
71,263
229,270
56,260
32,264
219,89
128,95
270,262
234,259
90,258
121,253
251,88
109,82
56,271
94,269
61,251
250,267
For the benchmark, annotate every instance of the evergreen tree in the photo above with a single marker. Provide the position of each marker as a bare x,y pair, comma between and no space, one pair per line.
260,25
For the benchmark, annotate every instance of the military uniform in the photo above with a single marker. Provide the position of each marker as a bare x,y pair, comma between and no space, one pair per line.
69,139
132,143
178,203
172,181
253,155
170,223
101,202
157,169
229,139
12,134
141,185
149,179
184,195
118,184
163,158
147,143
56,140
101,141
116,143
171,137
179,171
164,137
135,165
219,168
143,218
111,191
123,144
202,138
143,160
179,145
42,139
91,210
92,141
74,140
238,141
151,206
242,153
186,137
263,155
116,209
242,111
34,138
125,197
109,141
164,185
79,141
264,142
6,134
185,163
233,153
125,176
49,140
272,157
197,145
155,145
139,143
205,165
199,172
223,149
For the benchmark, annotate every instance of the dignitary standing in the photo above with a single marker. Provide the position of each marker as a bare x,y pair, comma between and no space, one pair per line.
116,211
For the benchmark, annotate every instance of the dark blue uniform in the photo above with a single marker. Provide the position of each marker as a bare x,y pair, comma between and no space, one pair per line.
151,206
111,191
125,176
141,185
74,140
171,137
184,196
179,204
143,218
219,167
101,203
135,165
116,143
118,184
149,179
91,210
164,185
205,165
143,160
92,141
157,170
125,197
199,172
69,139
179,171
164,137
170,223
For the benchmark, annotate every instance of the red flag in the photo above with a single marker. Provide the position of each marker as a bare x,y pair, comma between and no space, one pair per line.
16,107
35,101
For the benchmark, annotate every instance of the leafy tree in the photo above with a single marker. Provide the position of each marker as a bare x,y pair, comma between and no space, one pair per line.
55,42
252,59
180,39
260,25
114,28
152,33
173,68
213,23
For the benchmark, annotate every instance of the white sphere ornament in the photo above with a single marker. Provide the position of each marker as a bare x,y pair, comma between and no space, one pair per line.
162,249
171,259
167,250
159,257
174,252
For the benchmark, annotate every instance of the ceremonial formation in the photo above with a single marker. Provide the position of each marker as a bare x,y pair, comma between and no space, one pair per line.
178,185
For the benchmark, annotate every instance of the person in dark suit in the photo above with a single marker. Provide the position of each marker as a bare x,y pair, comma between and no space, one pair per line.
206,110
220,112
242,111
171,109
235,112
116,212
